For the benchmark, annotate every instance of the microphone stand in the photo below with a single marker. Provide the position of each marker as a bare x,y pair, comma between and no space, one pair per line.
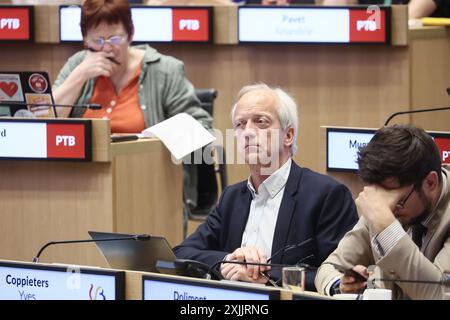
276,265
92,106
442,282
138,237
414,111
417,110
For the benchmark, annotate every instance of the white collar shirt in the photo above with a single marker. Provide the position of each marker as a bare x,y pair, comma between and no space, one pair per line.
264,208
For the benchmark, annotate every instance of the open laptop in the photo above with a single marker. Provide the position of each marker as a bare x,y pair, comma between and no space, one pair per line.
133,254
24,89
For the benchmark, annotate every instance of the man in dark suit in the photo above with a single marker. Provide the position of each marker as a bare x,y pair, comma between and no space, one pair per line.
285,212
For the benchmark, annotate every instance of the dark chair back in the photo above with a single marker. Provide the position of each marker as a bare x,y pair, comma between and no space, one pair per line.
210,176
207,97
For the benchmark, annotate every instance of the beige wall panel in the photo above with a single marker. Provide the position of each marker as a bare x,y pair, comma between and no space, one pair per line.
333,85
430,77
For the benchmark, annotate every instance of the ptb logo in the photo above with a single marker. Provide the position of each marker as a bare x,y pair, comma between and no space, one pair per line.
14,23
367,25
67,141
9,23
189,24
443,144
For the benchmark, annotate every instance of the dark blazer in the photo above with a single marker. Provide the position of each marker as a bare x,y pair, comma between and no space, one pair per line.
314,206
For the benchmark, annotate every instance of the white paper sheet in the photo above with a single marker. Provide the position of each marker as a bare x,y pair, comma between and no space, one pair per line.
181,134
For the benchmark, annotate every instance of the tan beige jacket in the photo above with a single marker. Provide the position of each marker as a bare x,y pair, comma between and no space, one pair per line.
404,260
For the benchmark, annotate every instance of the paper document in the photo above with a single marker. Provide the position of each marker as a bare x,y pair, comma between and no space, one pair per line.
430,21
181,134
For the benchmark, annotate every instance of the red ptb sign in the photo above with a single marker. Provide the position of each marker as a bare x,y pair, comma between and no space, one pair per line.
14,24
443,145
190,25
367,26
65,141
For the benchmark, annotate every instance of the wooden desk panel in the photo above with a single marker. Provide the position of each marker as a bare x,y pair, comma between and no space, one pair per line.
153,188
49,201
138,192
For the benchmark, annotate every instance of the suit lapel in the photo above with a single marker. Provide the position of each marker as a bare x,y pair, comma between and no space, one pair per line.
286,212
436,220
240,217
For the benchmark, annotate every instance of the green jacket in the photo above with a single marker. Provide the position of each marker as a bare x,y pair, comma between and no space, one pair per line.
164,90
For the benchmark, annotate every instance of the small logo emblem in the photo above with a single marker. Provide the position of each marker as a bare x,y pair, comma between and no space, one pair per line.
94,294
38,83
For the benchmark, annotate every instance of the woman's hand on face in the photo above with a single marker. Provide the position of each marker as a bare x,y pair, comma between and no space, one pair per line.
96,64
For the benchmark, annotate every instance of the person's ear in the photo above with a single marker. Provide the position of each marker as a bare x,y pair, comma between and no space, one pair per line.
85,42
431,181
289,137
131,36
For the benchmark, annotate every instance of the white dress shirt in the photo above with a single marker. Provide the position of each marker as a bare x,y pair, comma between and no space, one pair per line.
264,209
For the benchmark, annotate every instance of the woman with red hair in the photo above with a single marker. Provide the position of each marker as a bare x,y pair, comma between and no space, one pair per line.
136,86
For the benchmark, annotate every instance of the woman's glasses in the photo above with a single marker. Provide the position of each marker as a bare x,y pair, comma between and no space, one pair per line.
99,43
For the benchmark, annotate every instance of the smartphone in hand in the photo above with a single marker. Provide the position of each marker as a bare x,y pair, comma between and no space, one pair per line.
350,273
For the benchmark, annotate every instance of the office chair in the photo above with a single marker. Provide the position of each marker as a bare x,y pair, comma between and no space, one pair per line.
211,178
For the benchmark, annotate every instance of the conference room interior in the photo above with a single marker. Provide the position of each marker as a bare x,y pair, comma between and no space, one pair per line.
134,187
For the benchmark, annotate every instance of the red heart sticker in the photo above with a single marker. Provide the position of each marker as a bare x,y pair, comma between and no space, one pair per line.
10,88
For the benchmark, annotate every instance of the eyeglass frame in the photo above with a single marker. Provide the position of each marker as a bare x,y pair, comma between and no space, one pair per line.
106,41
401,203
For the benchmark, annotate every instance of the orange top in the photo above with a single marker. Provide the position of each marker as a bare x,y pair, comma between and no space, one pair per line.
122,109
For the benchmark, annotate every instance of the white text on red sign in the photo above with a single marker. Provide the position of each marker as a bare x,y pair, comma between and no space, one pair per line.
10,23
67,141
189,24
367,25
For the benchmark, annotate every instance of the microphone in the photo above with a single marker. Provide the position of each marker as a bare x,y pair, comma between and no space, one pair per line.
284,249
444,282
212,268
276,265
28,114
417,110
414,111
273,282
290,247
137,237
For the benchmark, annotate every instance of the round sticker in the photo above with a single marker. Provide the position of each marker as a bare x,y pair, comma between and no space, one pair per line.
38,83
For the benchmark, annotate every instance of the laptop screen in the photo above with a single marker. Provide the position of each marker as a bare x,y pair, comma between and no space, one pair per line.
25,94
139,255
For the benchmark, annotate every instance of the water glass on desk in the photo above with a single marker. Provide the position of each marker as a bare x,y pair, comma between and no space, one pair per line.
445,287
293,278
377,294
